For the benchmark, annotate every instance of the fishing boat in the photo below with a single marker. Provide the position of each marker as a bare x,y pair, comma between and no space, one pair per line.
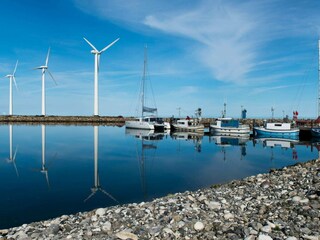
276,130
229,126
189,124
151,122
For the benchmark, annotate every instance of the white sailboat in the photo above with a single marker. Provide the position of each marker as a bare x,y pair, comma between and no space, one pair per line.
150,122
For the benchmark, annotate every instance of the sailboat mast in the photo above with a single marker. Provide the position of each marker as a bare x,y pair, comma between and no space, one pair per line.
319,78
143,80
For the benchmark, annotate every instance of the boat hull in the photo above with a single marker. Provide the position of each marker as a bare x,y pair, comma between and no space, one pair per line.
315,132
139,125
199,128
260,131
230,130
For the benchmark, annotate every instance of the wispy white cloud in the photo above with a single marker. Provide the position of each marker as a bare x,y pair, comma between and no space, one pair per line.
226,37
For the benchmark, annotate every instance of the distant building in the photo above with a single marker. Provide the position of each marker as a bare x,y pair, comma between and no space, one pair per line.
244,114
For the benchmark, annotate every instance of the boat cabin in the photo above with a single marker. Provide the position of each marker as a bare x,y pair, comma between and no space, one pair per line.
227,122
278,126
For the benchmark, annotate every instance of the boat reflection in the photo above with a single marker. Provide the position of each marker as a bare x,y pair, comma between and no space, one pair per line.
97,187
195,137
277,142
229,140
280,142
148,139
145,134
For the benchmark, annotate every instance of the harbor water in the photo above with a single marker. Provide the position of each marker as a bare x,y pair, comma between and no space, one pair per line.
48,171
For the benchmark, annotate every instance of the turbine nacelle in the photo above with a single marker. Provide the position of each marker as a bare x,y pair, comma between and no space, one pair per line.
42,67
94,52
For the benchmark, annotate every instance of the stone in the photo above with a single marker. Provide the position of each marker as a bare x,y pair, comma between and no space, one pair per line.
100,212
264,237
266,229
106,227
126,235
214,205
228,216
296,199
198,226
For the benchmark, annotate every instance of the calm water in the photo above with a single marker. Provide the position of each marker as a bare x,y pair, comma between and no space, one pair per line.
48,171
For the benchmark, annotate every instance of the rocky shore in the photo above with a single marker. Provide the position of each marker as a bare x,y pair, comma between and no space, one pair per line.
283,204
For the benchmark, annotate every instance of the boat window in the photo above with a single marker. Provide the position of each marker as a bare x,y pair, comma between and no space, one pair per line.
278,124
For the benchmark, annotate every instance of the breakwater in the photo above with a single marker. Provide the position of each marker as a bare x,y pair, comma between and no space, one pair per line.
74,120
282,204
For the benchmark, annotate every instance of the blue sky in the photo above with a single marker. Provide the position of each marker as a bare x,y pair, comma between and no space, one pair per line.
256,54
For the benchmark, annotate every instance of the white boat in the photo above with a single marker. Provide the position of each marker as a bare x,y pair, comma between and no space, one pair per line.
151,122
188,125
229,126
276,130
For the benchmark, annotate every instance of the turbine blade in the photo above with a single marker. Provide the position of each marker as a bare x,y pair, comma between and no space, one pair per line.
15,68
52,77
47,59
15,153
109,195
15,83
15,167
47,178
90,196
109,45
94,48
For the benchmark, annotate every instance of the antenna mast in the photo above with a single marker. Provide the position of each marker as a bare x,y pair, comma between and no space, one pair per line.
144,79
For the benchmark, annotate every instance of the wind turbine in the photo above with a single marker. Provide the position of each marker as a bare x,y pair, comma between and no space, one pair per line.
12,79
96,72
45,69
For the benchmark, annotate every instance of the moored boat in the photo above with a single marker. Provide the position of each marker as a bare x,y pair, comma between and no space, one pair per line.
229,126
151,122
188,125
276,130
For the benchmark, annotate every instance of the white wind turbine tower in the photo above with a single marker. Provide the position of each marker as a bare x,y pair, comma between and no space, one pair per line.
96,72
12,79
45,69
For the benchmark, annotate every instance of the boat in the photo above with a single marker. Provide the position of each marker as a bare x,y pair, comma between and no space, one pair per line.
188,124
315,132
276,130
229,126
151,122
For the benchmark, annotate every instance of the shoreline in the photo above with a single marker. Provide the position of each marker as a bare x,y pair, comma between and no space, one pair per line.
282,204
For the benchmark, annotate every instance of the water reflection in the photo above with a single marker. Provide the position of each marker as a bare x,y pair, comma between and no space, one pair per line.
225,141
194,137
97,166
283,143
97,187
12,156
148,139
